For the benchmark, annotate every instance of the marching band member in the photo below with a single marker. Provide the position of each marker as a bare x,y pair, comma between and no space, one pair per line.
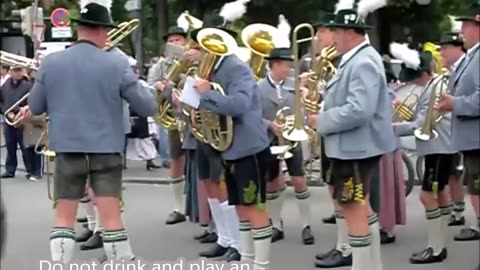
464,102
356,109
4,74
275,96
156,75
11,92
453,55
246,160
439,156
86,128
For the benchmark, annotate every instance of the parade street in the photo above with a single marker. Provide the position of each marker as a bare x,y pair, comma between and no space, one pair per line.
30,217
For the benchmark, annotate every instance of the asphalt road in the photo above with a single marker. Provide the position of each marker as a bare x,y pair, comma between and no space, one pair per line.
30,217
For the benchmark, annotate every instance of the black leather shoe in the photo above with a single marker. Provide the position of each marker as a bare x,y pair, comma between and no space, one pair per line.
175,218
330,220
456,222
426,257
7,175
82,220
210,239
84,235
232,255
307,236
85,225
201,235
216,251
385,239
94,242
322,256
151,165
467,234
336,259
277,235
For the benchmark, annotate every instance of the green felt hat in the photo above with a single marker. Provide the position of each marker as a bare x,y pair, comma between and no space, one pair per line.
174,30
95,15
348,19
472,14
280,54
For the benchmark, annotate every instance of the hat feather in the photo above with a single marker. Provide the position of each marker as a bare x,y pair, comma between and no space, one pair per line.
366,7
105,3
233,11
456,25
284,28
411,58
344,4
182,21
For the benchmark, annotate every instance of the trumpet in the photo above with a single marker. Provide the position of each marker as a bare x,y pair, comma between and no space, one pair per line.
124,29
297,132
11,112
439,88
404,111
258,38
41,148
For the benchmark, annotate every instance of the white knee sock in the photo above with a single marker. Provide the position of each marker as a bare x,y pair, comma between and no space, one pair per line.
98,221
303,204
361,252
342,235
446,215
89,210
434,218
247,249
178,187
376,255
458,209
217,214
262,239
62,244
117,246
274,207
231,219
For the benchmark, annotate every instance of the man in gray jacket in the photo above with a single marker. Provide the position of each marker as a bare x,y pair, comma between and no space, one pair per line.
82,89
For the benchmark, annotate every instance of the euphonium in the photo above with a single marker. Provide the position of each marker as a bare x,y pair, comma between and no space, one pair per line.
298,132
285,119
258,38
439,87
321,70
404,110
124,29
216,130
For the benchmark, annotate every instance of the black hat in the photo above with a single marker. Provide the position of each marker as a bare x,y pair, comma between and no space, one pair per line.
473,14
324,19
451,39
280,54
408,74
95,15
174,30
214,21
349,19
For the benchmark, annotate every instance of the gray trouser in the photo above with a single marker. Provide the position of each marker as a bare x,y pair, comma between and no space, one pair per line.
104,172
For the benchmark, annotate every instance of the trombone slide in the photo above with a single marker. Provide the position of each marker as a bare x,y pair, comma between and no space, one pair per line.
13,108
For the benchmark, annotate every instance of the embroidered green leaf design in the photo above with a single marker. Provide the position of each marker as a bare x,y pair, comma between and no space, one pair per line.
250,192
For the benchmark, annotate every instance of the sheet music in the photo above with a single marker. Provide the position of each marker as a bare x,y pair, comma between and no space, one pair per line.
173,51
190,96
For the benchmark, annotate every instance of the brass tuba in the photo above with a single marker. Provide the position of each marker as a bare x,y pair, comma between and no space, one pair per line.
321,70
404,110
258,38
118,34
298,133
439,87
214,129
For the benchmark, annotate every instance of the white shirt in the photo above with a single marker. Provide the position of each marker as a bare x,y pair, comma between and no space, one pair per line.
457,63
4,79
471,50
278,86
352,52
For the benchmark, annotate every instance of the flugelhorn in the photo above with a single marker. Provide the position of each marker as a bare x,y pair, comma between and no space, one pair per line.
258,38
438,88
118,34
216,130
297,133
404,110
